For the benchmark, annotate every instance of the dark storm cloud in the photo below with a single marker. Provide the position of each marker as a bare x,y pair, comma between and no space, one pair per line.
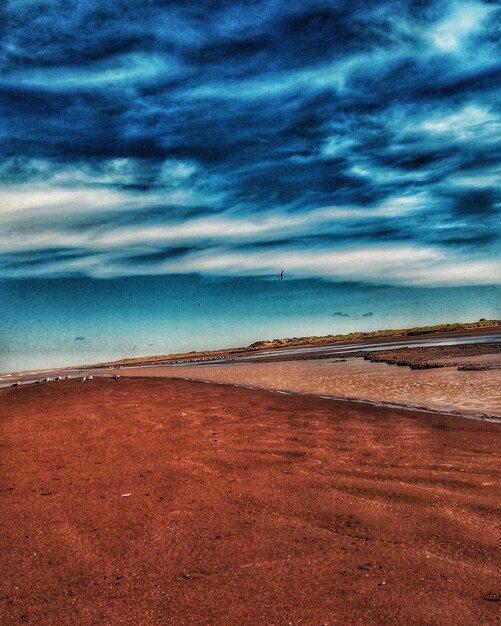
204,136
483,202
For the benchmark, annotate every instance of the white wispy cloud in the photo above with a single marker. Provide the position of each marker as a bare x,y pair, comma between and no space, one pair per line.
405,265
469,122
258,229
109,255
463,20
23,201
130,69
229,229
476,179
333,75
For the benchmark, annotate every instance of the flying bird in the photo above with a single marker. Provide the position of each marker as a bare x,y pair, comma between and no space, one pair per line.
282,275
199,303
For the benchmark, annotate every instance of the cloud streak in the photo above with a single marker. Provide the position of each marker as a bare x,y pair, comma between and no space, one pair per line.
342,142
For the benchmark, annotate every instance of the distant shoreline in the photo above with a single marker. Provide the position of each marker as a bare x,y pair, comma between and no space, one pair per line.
455,329
287,349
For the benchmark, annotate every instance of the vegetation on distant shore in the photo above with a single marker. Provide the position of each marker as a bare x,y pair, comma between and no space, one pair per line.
357,336
305,341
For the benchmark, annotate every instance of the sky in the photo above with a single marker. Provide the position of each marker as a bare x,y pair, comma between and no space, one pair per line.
344,142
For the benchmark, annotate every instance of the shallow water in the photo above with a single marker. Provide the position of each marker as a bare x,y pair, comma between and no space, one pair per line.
445,389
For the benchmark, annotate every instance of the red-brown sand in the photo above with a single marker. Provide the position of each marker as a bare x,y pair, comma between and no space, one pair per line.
157,501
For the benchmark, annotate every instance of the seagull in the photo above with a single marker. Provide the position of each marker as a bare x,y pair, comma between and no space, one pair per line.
282,275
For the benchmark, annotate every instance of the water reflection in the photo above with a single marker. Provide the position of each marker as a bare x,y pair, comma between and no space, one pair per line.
445,389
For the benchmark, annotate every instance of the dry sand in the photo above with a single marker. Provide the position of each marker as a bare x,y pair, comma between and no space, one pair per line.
155,501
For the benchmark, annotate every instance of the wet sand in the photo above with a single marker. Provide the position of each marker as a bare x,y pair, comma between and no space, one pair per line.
476,356
444,389
155,501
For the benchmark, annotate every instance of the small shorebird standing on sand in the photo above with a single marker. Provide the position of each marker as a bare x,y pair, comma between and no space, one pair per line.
282,275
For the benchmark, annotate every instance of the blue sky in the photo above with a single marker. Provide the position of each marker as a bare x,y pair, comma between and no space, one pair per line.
348,143
340,140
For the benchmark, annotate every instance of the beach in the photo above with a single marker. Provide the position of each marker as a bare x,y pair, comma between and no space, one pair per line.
250,303
467,393
163,501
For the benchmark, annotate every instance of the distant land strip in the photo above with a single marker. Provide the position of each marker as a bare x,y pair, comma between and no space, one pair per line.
301,342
